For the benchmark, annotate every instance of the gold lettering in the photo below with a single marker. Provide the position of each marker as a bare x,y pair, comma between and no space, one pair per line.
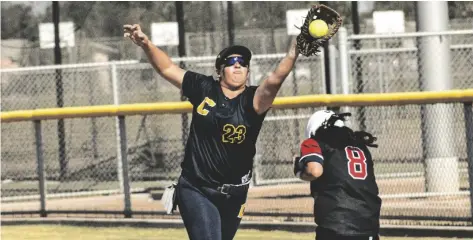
233,134
201,110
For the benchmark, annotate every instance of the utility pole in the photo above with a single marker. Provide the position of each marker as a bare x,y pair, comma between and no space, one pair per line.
59,93
230,24
438,144
182,52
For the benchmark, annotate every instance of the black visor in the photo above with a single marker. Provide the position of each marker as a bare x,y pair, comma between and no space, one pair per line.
236,49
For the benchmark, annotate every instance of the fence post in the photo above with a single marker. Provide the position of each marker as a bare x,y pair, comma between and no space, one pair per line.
343,51
344,67
333,69
467,107
326,74
116,101
40,169
122,148
434,56
124,164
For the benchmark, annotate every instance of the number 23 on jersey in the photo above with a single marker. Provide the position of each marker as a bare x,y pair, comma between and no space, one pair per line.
231,133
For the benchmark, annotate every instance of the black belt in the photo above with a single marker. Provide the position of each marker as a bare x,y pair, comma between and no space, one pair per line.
231,189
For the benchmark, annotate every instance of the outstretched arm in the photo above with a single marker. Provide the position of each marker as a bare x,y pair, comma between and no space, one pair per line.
158,58
268,90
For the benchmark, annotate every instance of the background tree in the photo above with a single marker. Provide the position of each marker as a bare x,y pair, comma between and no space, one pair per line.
17,21
101,22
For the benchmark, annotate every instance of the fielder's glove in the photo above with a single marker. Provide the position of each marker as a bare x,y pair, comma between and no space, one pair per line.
308,45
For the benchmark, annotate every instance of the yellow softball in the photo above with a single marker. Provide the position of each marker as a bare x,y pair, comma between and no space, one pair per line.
318,28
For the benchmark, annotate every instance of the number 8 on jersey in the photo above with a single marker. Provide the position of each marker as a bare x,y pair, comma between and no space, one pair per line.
356,163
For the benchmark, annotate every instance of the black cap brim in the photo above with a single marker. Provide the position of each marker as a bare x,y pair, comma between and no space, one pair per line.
235,49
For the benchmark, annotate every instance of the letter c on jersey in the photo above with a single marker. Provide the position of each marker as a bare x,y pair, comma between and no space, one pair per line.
201,110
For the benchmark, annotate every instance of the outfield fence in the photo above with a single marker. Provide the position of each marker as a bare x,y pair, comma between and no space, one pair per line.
402,172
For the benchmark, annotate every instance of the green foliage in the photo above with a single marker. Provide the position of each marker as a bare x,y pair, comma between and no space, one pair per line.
460,9
105,19
17,21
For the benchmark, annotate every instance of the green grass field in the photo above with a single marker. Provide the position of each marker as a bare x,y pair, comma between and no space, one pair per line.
51,232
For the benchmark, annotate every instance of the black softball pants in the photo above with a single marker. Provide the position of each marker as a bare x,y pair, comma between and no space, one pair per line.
208,214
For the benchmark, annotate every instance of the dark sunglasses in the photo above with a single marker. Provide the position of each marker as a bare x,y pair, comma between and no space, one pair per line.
230,61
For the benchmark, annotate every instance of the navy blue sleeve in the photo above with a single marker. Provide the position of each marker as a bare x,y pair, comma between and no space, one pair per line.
194,86
311,151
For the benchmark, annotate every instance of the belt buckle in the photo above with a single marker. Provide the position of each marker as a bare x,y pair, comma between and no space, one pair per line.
225,189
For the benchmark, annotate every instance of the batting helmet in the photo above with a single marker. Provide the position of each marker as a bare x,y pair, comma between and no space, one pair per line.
324,119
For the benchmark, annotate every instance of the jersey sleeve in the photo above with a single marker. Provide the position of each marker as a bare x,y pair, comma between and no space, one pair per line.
311,151
193,86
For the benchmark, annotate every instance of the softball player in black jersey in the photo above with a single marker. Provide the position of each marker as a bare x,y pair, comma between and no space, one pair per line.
226,119
337,162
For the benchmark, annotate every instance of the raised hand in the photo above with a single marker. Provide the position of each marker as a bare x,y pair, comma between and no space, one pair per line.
135,34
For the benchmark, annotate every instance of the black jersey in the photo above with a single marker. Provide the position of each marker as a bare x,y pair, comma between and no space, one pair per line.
223,132
346,195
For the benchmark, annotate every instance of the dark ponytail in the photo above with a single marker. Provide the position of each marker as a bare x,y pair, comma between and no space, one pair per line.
344,136
364,137
341,136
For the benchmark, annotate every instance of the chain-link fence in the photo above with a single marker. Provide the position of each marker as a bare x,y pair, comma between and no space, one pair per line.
156,142
155,151
381,64
90,144
403,173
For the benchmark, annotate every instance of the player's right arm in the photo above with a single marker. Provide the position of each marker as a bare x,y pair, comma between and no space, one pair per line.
160,61
309,166
312,171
